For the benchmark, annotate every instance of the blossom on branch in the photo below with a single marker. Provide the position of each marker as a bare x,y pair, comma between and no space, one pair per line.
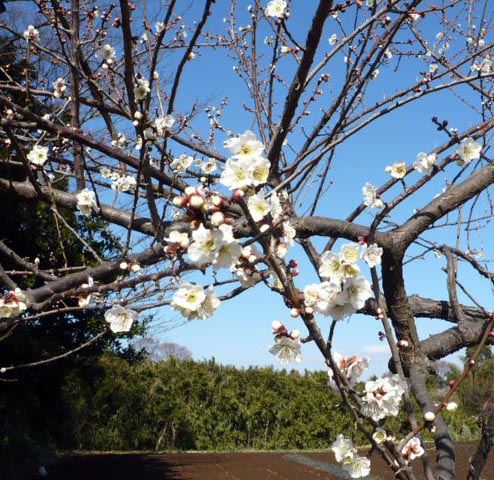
382,397
192,301
120,318
468,150
371,197
276,8
425,162
31,34
286,350
413,449
12,304
86,202
38,155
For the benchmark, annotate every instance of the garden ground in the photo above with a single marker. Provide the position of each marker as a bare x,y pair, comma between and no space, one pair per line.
225,466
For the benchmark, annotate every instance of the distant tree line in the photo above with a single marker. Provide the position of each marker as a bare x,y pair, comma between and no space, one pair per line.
188,405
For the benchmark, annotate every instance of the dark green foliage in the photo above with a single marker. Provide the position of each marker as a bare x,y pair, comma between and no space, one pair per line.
188,405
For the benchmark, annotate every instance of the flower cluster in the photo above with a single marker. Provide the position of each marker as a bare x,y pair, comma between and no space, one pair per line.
287,344
247,167
59,87
192,301
120,318
343,292
350,367
86,202
412,449
12,304
382,397
31,34
346,454
371,197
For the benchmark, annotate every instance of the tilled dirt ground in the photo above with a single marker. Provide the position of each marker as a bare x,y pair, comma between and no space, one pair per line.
226,466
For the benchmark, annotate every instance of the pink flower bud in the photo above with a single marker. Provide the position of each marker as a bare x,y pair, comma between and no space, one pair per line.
196,201
295,334
217,219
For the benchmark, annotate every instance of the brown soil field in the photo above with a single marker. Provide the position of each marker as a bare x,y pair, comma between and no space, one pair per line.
226,466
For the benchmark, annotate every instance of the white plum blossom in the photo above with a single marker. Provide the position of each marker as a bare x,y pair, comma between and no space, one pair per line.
276,8
286,350
339,266
380,435
141,89
397,169
236,174
350,367
120,318
371,254
85,300
38,155
107,54
321,296
467,151
214,246
425,162
123,183
382,397
289,232
192,301
333,39
358,467
31,34
343,448
259,171
350,253
209,166
13,304
412,449
179,239
181,163
59,87
258,207
86,202
163,124
371,198
244,146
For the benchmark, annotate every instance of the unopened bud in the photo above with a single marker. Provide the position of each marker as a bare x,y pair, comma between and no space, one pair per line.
294,312
309,310
403,343
138,115
196,201
451,406
124,266
295,272
180,201
295,334
238,194
217,219
190,190
429,416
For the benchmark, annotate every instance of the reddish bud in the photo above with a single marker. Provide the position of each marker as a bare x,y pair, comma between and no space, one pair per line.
452,383
471,362
295,272
293,263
